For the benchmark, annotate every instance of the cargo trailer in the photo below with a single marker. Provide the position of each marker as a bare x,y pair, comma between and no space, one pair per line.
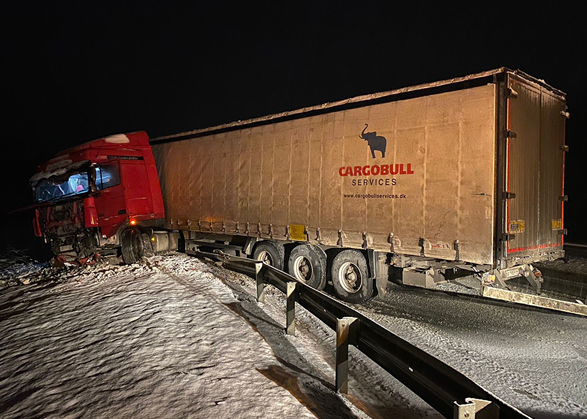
462,174
414,184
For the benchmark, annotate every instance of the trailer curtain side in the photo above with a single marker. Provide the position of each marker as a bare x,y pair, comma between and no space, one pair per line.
412,176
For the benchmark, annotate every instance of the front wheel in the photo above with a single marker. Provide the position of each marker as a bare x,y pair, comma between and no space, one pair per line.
133,248
350,277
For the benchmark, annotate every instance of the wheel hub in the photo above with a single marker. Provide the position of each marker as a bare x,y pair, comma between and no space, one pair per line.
303,269
350,277
266,258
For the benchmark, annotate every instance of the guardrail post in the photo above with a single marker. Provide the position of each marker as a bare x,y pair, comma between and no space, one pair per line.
290,316
346,333
260,269
476,409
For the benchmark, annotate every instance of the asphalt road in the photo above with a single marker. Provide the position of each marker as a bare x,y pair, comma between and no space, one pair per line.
534,359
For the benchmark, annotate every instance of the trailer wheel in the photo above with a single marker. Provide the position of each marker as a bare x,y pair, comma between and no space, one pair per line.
307,263
132,246
270,253
350,277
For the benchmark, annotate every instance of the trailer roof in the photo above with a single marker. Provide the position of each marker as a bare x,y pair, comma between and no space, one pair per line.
356,101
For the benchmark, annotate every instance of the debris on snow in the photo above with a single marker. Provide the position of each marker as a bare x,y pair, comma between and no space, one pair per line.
16,267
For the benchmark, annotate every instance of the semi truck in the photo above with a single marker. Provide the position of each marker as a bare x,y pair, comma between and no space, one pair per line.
416,184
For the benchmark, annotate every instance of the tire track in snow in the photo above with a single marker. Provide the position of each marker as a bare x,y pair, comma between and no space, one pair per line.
315,393
131,343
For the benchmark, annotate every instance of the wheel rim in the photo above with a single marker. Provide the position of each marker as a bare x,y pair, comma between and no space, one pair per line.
303,269
265,257
350,277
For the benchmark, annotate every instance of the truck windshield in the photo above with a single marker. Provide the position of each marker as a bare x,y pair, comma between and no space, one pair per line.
58,188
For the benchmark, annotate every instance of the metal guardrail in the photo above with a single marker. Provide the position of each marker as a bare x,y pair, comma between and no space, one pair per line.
448,391
576,249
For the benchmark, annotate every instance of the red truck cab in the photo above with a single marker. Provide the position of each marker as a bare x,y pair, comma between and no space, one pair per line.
101,197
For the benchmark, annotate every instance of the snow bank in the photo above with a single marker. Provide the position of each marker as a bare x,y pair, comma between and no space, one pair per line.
172,337
139,340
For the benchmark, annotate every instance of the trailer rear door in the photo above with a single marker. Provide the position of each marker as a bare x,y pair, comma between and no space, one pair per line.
535,165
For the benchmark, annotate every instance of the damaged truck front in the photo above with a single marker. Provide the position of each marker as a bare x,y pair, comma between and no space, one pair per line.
101,198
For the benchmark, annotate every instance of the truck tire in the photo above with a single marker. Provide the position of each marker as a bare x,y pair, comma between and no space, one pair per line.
350,277
270,253
132,246
307,263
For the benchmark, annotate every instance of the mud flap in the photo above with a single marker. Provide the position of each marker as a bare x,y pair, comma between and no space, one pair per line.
381,285
380,271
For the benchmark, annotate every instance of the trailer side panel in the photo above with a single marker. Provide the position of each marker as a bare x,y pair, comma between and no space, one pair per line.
411,176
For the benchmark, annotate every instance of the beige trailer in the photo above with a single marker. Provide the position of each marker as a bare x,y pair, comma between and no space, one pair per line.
460,174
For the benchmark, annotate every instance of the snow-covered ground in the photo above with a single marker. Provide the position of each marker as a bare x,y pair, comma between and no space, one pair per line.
533,359
171,337
16,268
575,265
177,337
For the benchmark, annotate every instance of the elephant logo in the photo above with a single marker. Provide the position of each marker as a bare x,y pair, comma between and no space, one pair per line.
375,142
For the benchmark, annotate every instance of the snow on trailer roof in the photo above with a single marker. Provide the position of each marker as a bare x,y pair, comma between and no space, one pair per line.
357,100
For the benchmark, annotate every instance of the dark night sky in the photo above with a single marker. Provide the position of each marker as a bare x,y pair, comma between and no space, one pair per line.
75,71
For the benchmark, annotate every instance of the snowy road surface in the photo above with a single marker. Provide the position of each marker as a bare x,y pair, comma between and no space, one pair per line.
533,359
172,338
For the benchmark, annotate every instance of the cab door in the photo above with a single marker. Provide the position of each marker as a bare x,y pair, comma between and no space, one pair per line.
109,199
137,190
